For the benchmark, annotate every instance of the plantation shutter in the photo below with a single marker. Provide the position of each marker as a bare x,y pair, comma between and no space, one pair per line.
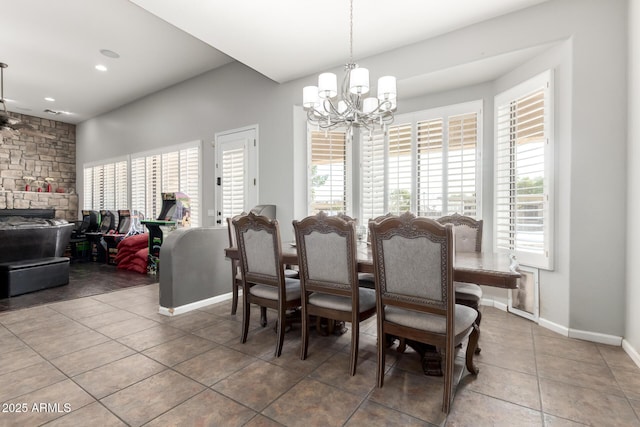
98,178
121,185
461,165
88,189
108,186
399,154
177,169
372,157
328,173
430,167
522,177
190,179
153,182
171,172
138,186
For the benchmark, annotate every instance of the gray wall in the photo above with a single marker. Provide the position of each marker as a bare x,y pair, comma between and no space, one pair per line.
586,290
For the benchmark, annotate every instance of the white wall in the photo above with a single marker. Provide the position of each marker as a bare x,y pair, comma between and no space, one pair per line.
632,321
587,290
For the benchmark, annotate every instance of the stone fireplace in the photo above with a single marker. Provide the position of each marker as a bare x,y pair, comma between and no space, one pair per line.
49,152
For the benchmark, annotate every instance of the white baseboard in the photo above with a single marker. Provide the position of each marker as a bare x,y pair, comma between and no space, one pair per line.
174,311
572,333
632,352
595,337
558,329
493,303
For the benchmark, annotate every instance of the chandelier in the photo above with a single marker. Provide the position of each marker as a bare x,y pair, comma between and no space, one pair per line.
351,107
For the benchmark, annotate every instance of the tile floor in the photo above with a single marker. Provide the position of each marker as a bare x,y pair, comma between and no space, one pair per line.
111,360
85,279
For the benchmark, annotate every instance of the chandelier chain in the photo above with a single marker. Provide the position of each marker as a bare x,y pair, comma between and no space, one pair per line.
351,31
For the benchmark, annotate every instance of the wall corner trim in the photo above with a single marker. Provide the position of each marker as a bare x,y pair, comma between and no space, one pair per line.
632,352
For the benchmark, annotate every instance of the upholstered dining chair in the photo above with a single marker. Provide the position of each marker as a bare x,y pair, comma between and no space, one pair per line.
236,275
327,258
413,263
366,280
263,279
468,236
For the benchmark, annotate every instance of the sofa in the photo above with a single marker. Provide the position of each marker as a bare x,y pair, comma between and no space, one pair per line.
32,249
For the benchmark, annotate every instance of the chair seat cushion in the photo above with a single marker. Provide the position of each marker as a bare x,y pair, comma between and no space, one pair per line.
366,277
468,290
292,274
271,292
465,316
367,300
366,280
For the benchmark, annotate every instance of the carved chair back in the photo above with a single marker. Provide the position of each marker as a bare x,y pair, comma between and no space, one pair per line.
467,232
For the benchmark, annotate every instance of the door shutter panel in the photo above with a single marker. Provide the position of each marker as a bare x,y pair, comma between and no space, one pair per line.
233,182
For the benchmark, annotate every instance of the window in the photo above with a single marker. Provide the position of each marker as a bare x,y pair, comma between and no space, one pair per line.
173,169
524,171
106,186
329,176
426,163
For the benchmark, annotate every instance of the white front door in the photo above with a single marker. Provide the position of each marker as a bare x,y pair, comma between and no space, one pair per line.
236,173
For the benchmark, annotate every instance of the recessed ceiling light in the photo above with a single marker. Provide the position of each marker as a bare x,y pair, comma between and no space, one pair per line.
50,99
101,67
109,53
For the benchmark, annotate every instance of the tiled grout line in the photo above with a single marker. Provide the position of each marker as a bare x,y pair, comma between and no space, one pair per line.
535,365
626,395
227,345
67,377
135,352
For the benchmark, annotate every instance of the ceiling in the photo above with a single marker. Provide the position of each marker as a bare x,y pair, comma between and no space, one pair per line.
52,47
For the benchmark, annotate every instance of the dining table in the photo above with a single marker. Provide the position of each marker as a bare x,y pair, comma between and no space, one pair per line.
483,268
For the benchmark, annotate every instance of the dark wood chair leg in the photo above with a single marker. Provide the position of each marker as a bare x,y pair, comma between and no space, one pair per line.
478,349
471,347
234,301
263,316
246,316
476,306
